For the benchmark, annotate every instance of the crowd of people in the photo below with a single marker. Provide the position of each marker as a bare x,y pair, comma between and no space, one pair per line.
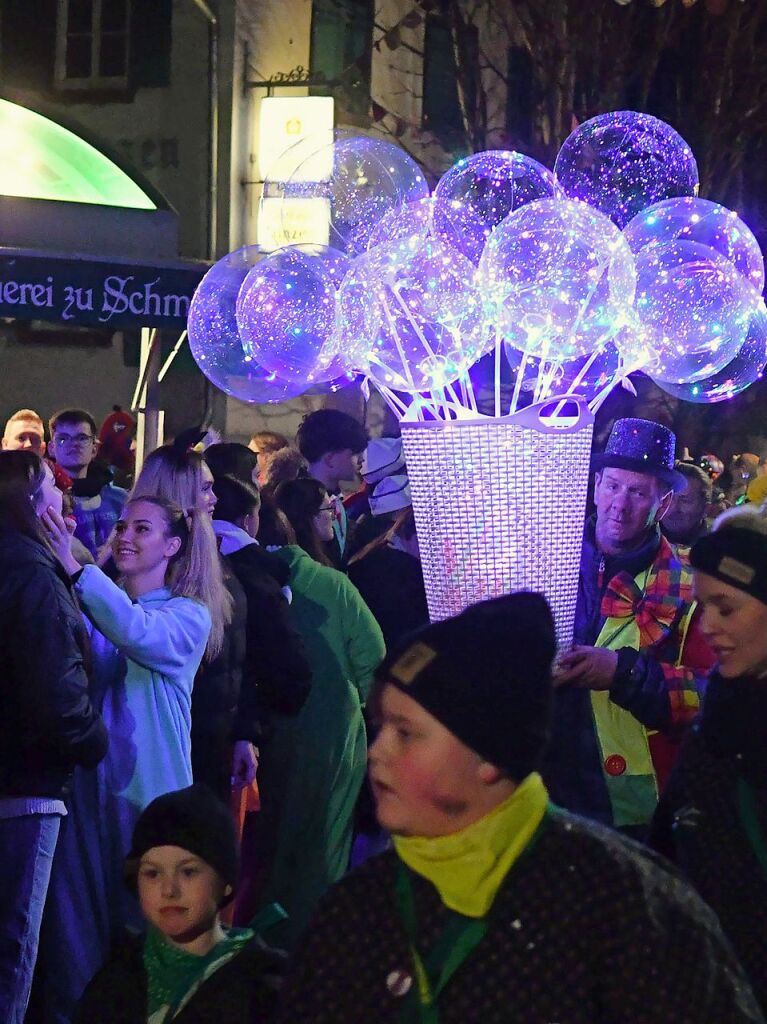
221,688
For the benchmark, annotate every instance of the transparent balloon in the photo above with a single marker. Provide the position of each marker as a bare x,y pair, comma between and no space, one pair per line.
214,339
690,219
746,367
411,317
419,221
286,312
487,187
622,162
557,277
696,308
337,186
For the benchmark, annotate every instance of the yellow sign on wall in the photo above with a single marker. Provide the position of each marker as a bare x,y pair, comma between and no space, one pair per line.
284,222
286,120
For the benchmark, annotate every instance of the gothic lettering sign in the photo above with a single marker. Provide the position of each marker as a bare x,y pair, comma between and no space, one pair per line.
96,292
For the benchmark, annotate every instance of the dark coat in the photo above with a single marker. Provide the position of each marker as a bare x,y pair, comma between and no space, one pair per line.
391,584
47,722
573,764
278,675
699,823
241,991
216,697
587,928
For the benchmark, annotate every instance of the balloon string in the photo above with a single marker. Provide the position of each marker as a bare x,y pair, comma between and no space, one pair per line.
498,342
579,377
395,334
518,384
467,392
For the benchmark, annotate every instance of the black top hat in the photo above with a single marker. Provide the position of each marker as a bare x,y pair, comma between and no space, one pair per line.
644,447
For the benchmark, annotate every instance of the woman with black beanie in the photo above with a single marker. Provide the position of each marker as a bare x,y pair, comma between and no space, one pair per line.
712,819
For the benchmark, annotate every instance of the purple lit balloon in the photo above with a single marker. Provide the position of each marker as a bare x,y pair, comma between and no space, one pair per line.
689,219
746,367
214,339
696,308
488,187
419,221
410,315
623,162
286,312
360,178
557,277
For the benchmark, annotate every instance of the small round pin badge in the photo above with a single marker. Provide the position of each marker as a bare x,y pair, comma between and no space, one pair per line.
399,983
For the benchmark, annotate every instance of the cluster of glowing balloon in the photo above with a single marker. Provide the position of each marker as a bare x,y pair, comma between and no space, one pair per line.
621,163
214,337
480,191
411,316
746,367
557,276
696,308
286,312
689,219
575,278
358,179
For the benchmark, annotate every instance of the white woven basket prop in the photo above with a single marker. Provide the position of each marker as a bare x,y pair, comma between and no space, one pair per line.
499,506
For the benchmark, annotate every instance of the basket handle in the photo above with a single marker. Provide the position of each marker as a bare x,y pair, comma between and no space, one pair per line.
532,416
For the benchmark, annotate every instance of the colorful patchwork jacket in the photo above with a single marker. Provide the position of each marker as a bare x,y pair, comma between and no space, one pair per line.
611,752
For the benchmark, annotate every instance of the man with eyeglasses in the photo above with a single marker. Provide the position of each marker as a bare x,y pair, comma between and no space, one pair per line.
97,502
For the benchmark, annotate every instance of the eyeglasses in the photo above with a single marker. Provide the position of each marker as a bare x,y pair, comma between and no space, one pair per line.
326,508
62,439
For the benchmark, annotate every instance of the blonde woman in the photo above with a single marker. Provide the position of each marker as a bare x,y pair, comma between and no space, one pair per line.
151,632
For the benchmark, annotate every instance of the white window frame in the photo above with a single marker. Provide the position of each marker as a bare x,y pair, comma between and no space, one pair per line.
93,81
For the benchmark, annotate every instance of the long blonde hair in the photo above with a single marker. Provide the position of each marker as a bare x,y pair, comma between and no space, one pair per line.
173,480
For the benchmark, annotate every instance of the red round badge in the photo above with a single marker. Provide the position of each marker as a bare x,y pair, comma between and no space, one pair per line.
615,764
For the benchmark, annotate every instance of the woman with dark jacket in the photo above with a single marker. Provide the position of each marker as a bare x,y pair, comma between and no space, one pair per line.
47,722
277,675
712,818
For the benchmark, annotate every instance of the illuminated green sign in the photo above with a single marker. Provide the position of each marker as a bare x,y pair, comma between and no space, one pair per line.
44,160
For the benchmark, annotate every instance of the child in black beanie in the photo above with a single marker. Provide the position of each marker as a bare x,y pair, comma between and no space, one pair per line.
187,968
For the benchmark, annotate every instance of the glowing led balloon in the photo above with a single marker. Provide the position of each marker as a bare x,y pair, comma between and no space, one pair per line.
696,307
411,315
214,339
746,367
623,162
557,277
286,312
419,221
359,178
488,187
690,219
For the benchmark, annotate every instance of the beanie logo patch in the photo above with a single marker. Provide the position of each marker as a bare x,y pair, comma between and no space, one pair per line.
736,570
409,666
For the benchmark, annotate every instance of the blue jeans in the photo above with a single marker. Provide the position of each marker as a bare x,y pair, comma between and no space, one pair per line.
26,852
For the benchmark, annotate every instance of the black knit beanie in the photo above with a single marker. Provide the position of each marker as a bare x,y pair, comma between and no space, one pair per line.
735,555
486,676
194,819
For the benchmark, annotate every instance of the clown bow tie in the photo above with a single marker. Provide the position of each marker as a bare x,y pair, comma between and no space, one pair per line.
654,614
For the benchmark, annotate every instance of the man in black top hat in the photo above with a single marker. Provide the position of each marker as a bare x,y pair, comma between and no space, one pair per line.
632,680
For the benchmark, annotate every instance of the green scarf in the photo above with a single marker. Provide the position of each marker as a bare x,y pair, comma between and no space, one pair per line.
173,975
468,867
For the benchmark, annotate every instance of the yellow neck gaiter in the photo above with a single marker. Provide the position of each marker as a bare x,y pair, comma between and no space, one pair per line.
467,867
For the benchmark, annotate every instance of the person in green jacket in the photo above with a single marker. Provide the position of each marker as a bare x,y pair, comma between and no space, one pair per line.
312,769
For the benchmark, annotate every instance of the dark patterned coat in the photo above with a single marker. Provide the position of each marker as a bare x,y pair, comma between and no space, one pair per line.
588,928
698,823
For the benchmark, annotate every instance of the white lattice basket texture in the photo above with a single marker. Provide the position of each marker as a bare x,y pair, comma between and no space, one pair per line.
499,506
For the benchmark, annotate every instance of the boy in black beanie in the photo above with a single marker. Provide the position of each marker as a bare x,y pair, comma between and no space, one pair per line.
495,906
183,865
